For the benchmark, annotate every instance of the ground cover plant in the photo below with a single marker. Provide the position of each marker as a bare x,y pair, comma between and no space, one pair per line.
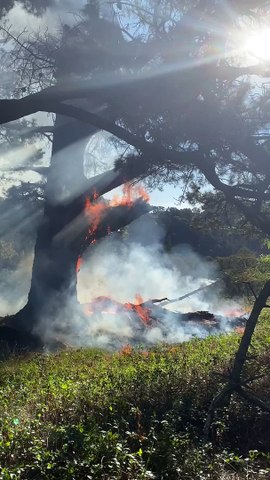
133,414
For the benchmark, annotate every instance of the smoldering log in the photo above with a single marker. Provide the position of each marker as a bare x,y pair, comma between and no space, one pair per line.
156,314
210,320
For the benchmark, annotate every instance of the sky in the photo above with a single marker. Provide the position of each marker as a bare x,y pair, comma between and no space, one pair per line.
63,12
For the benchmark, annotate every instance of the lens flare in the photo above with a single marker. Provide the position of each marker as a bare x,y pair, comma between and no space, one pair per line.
258,44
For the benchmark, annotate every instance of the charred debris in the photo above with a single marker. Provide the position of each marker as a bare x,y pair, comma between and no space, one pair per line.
141,316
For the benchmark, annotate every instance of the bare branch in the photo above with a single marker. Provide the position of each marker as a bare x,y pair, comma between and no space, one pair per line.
24,46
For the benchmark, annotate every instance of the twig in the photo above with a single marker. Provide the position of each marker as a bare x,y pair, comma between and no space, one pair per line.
252,290
250,397
178,299
22,45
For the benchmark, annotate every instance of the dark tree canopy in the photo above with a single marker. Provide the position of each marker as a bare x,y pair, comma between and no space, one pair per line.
178,94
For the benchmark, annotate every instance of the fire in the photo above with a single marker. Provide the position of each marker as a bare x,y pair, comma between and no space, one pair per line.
240,330
138,299
126,350
79,264
142,312
235,312
106,305
130,194
96,210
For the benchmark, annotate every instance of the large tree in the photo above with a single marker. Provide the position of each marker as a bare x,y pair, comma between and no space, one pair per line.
63,228
168,81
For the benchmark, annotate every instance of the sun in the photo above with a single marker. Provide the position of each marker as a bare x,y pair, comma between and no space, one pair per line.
257,45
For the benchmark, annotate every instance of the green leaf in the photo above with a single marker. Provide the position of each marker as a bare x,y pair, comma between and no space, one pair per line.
140,452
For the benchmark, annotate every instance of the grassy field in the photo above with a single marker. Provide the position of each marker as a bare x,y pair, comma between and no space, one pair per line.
135,414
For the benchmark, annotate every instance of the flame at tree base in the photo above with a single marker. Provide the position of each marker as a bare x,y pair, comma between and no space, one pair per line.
109,324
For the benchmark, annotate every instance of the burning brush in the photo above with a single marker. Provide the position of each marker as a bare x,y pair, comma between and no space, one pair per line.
107,306
146,322
110,323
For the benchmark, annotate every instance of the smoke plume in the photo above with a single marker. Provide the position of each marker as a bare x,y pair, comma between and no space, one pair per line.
118,269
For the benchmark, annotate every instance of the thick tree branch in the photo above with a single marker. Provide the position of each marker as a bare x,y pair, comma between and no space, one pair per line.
42,129
113,219
105,89
154,150
14,109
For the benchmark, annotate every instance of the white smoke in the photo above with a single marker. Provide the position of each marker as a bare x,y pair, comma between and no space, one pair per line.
121,268
15,286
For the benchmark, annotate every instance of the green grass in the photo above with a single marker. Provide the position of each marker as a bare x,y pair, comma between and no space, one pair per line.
88,414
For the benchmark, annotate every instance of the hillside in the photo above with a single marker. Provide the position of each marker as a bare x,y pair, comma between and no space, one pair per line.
134,414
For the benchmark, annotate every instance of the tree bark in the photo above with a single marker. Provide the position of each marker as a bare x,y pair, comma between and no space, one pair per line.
54,268
235,383
241,354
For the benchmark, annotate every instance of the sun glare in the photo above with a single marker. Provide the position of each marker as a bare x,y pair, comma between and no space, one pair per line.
258,45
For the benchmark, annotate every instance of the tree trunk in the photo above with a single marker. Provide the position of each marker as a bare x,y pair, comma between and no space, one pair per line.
56,252
61,235
58,242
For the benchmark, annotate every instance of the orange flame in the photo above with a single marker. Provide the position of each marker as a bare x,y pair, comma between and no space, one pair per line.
106,305
235,312
138,299
126,350
95,210
142,312
79,264
240,330
130,194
